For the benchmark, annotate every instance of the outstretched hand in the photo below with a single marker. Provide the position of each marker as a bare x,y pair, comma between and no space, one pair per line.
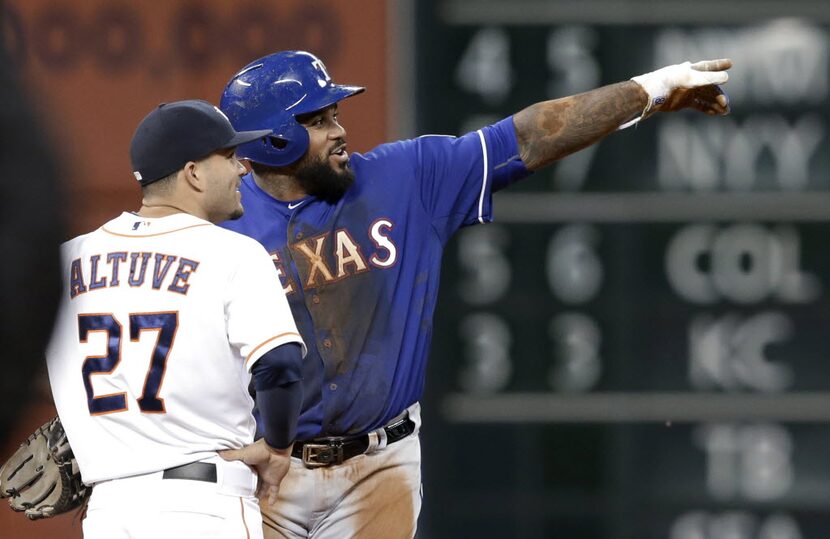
271,465
710,99
687,85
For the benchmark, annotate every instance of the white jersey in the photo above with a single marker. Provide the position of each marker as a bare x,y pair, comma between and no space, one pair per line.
160,322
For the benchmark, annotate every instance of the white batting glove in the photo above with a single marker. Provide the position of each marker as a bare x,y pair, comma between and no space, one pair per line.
686,85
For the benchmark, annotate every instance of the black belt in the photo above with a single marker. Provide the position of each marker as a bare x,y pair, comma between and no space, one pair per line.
195,471
334,450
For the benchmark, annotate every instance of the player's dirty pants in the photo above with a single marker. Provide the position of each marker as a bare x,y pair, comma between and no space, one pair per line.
148,506
371,496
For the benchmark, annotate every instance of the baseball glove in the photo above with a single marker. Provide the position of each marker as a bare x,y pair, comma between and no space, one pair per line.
42,477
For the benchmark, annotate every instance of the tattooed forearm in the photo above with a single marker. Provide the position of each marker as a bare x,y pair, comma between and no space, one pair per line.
550,130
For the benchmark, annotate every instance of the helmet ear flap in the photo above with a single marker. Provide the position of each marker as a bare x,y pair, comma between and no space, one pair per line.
288,143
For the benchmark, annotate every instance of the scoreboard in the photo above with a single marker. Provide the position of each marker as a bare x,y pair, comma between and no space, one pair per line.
639,345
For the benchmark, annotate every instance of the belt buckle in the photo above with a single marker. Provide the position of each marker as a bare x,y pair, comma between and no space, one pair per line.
318,455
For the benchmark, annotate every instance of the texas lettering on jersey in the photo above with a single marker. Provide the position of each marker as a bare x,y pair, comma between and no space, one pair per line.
156,271
344,254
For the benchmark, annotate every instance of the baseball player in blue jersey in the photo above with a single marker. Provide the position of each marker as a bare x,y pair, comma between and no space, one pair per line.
357,241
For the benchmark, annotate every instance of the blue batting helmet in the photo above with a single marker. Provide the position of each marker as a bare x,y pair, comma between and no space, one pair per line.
270,93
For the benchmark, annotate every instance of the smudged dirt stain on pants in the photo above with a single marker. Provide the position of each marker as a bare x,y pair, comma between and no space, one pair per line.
366,497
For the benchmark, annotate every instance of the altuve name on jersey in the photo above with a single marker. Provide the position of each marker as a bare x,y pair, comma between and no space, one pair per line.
122,268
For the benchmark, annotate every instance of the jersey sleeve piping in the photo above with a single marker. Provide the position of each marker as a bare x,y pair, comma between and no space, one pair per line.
484,178
282,336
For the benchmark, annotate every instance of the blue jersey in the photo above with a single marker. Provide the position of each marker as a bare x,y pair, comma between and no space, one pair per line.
361,275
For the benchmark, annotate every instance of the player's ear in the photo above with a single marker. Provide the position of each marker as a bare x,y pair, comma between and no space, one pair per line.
193,176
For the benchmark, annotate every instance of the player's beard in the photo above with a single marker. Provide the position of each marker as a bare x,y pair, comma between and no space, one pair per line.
317,178
237,213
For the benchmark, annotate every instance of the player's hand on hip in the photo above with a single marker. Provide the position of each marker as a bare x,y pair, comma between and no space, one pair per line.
270,463
687,85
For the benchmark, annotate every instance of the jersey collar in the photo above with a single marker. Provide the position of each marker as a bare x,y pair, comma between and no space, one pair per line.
134,225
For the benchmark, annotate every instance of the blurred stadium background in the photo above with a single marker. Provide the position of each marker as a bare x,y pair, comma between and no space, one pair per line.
637,348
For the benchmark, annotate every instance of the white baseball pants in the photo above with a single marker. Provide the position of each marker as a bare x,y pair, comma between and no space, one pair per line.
148,506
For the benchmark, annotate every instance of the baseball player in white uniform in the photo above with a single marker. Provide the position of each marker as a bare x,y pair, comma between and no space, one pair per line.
164,320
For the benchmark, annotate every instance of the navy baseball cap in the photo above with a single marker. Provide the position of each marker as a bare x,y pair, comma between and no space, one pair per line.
175,133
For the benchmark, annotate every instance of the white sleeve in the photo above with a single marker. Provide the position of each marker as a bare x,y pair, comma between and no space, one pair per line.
256,309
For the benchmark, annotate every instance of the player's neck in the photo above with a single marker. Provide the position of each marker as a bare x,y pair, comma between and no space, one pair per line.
280,186
160,209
